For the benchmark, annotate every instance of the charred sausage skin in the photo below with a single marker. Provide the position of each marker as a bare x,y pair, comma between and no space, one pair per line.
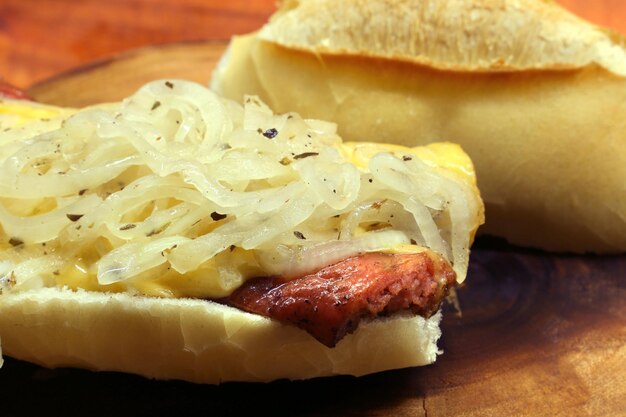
330,303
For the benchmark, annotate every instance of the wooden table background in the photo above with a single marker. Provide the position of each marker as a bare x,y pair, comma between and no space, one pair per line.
40,38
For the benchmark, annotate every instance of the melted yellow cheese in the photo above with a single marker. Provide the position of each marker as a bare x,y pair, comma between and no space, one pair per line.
216,278
446,155
16,113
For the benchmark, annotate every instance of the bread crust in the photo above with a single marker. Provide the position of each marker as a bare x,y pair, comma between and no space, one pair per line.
196,340
549,145
459,35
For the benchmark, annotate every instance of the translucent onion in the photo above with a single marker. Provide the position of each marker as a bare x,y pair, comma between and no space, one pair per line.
174,176
293,262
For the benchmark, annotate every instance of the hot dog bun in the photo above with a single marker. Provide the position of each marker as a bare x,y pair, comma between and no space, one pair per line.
535,95
196,340
134,214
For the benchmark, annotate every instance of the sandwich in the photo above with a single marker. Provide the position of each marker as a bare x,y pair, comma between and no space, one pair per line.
534,94
180,235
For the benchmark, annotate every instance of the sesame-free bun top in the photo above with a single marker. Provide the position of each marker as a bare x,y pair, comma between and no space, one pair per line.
459,35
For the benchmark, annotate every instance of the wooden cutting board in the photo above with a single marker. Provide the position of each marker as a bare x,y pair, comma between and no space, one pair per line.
119,76
540,334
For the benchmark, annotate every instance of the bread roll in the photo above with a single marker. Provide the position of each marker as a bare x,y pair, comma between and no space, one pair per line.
535,95
119,222
196,340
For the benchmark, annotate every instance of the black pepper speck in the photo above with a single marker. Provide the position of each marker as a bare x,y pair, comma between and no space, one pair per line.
270,133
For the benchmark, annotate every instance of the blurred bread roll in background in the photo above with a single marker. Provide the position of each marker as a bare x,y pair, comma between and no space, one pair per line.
534,94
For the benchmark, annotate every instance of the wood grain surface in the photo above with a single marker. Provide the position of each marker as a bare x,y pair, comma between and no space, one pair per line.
41,38
120,75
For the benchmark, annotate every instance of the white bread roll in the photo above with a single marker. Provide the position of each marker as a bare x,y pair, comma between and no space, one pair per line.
112,276
196,340
535,95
